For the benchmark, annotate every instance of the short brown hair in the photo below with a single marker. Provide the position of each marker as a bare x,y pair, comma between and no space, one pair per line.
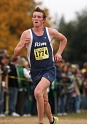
14,58
39,10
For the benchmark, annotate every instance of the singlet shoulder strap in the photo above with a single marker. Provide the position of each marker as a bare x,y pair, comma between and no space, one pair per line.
29,46
48,34
31,36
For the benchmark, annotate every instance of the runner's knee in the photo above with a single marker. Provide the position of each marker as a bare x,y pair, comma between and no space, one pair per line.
45,102
37,93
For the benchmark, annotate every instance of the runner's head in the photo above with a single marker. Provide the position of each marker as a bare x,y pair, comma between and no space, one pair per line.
41,11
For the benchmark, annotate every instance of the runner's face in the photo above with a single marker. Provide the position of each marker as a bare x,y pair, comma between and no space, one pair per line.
37,19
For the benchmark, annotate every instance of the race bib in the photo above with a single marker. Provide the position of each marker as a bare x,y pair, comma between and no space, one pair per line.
41,53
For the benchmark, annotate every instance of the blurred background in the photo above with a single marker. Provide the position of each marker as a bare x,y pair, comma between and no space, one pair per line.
67,16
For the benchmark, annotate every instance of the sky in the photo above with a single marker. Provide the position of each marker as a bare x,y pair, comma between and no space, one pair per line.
66,8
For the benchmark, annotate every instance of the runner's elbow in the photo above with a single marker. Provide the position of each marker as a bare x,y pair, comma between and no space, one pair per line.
15,52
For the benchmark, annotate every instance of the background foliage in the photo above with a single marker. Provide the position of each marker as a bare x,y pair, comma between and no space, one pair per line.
15,17
76,33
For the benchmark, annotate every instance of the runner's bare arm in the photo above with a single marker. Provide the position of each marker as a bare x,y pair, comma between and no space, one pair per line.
24,41
63,41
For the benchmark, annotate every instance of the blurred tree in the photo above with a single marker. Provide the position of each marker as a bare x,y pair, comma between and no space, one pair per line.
15,17
76,33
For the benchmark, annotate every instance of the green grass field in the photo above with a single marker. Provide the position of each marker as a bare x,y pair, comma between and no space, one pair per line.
68,119
82,115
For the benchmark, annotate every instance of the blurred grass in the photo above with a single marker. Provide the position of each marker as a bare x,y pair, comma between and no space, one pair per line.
82,115
72,118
